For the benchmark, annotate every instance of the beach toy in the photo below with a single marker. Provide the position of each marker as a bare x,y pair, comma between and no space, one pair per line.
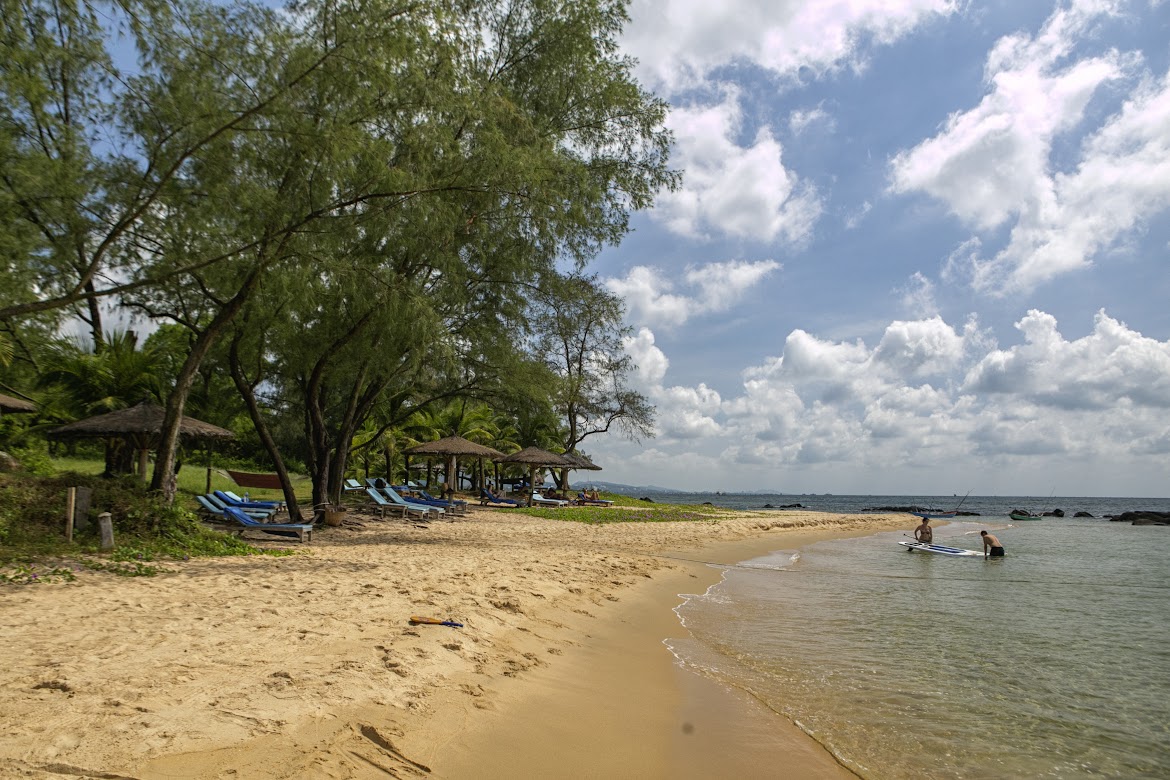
415,620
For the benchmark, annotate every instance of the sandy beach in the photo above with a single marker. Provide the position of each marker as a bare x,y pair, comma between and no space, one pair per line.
308,666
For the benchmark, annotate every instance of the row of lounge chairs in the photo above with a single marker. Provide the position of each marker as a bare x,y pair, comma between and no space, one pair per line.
226,508
387,497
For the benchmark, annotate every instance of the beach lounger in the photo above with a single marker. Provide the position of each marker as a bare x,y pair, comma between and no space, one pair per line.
352,486
302,531
453,505
215,505
385,504
537,498
584,500
393,496
236,496
231,499
488,497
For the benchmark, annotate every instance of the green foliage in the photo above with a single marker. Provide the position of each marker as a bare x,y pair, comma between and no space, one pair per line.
93,381
147,530
30,574
342,207
578,331
33,455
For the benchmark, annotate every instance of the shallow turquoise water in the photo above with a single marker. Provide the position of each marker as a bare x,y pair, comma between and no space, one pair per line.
1052,662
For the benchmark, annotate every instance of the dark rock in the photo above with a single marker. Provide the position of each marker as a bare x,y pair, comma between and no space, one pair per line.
768,506
1055,513
705,503
644,498
1082,514
1142,518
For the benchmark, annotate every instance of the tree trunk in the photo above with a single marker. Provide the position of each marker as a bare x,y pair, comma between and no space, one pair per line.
248,394
164,463
95,319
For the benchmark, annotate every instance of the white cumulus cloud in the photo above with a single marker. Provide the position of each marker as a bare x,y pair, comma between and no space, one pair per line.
730,188
678,42
994,165
651,298
929,392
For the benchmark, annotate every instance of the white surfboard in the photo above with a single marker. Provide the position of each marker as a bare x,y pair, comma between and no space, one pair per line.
940,549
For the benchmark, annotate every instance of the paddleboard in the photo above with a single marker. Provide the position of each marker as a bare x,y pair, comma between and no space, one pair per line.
940,549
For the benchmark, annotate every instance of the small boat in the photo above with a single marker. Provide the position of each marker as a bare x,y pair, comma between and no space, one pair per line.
935,515
1021,516
957,552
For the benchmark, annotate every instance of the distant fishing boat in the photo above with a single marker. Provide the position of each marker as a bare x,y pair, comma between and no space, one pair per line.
1023,514
932,514
935,515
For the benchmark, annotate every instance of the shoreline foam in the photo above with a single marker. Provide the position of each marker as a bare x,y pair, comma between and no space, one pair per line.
274,667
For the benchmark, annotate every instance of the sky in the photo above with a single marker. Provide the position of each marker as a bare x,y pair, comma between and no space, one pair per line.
920,248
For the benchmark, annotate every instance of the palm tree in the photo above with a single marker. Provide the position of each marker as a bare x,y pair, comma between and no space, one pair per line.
84,381
97,381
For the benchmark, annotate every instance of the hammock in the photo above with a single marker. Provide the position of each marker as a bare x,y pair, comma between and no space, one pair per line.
245,479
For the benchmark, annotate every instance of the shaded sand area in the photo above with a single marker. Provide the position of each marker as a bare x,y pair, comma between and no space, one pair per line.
307,666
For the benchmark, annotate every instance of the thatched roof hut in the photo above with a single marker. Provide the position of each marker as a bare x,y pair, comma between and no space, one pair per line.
580,461
140,425
454,445
453,448
10,404
535,458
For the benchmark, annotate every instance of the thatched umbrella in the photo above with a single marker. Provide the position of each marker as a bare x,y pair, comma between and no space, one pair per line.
579,461
536,458
453,448
10,404
140,425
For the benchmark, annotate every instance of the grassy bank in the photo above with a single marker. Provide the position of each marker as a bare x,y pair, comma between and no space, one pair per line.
147,532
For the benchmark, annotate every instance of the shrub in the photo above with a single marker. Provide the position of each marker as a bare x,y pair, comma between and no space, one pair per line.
32,522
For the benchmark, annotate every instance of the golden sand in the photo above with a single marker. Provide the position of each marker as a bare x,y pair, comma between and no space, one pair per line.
308,666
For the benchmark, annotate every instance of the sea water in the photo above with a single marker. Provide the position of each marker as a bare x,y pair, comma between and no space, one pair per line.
1051,662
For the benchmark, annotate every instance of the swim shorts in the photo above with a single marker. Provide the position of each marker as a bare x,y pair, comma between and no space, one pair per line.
996,552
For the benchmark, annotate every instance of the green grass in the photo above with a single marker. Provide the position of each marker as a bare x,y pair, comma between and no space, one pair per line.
629,510
193,480
148,533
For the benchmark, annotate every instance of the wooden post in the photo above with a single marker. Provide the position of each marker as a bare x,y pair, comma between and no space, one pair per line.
81,509
70,505
106,526
143,463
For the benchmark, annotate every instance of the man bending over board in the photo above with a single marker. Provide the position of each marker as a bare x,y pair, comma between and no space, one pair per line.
991,546
924,533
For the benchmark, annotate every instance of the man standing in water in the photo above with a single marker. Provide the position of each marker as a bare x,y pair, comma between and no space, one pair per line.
924,533
991,546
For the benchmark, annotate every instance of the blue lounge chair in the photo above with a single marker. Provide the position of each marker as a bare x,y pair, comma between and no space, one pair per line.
236,497
488,497
233,500
452,506
384,505
352,486
215,505
302,531
392,495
